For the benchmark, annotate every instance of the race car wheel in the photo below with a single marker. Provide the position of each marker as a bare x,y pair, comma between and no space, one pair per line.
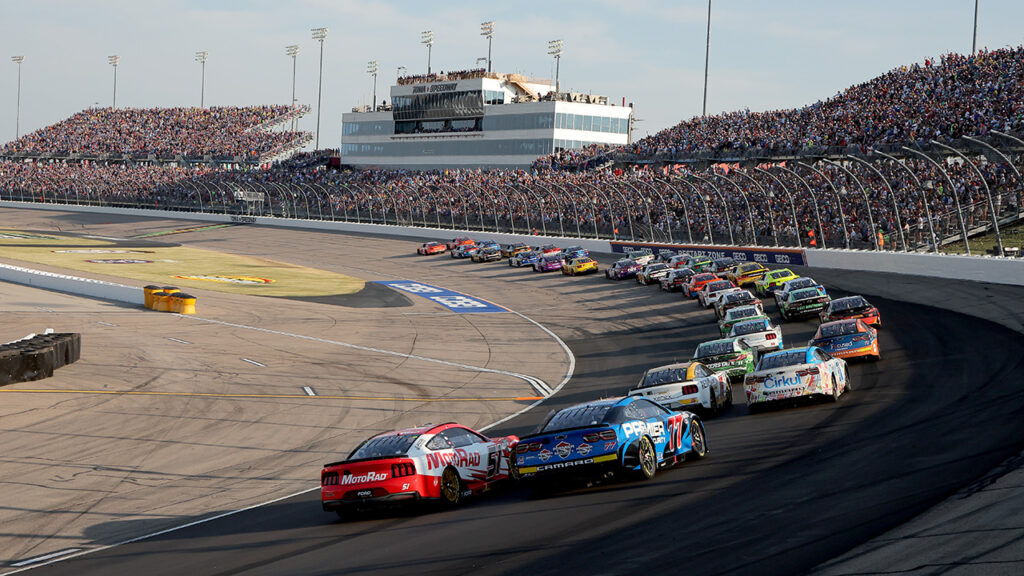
849,386
699,448
835,391
715,409
648,458
451,487
509,263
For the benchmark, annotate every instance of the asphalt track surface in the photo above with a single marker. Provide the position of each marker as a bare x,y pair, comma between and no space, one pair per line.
780,492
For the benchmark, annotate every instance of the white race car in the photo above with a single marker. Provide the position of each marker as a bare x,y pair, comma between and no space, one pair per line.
736,299
652,273
686,386
642,256
796,373
758,334
715,290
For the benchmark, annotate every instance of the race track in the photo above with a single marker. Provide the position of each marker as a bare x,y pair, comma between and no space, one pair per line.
779,493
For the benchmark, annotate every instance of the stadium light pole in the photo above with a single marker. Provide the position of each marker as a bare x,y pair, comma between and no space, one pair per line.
555,49
319,34
17,115
201,58
427,38
974,37
984,184
707,60
113,61
371,69
292,51
487,31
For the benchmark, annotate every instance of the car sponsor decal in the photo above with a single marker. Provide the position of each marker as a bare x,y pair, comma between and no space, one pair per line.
119,261
455,457
544,455
363,478
454,301
563,449
249,280
584,449
610,445
781,381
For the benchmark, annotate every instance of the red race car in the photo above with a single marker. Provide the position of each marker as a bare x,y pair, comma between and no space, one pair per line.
431,248
445,463
460,241
851,307
697,282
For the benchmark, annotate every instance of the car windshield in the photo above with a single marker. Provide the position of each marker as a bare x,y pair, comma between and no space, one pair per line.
551,258
714,348
385,446
576,416
724,285
660,376
704,277
838,329
746,312
850,303
750,327
804,293
738,297
623,263
782,359
656,267
749,267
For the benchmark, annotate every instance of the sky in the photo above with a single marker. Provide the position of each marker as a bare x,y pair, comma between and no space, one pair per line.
763,54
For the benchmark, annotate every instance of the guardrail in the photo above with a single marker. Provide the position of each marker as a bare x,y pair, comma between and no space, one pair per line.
995,269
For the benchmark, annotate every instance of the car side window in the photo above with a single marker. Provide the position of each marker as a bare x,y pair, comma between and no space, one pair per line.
633,411
652,410
439,442
460,437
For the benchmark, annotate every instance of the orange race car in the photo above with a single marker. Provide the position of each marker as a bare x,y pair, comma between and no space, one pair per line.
431,248
460,241
697,283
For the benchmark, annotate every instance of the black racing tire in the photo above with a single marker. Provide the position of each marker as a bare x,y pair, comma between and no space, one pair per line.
728,398
849,385
648,458
698,442
835,391
451,487
510,263
715,409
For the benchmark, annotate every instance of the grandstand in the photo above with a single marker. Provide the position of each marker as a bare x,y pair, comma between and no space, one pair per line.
918,158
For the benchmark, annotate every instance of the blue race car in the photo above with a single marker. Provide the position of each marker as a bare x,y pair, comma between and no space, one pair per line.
628,434
525,258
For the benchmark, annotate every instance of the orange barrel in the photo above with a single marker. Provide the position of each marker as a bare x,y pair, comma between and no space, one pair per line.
174,302
170,289
148,290
161,301
186,303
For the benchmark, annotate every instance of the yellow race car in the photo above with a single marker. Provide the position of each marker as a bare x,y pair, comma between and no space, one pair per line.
773,280
746,273
580,266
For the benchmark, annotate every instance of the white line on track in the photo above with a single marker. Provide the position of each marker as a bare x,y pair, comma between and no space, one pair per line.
43,309
536,383
555,390
308,391
178,340
107,324
254,363
46,557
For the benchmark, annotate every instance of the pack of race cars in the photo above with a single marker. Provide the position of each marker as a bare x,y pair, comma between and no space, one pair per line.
656,424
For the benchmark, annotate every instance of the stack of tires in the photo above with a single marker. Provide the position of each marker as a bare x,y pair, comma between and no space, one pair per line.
37,357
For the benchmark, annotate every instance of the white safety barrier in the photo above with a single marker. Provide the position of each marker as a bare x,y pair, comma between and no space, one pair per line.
981,268
72,284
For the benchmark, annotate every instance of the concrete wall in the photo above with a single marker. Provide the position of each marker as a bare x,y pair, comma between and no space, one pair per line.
981,268
72,284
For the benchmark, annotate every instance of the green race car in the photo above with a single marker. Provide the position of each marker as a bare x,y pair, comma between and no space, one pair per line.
739,314
773,280
802,303
731,356
702,264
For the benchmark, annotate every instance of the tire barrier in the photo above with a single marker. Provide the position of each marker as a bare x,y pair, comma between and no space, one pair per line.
36,357
169,299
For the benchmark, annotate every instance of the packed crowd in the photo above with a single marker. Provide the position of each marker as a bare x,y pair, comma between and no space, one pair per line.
954,96
165,132
442,76
887,204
